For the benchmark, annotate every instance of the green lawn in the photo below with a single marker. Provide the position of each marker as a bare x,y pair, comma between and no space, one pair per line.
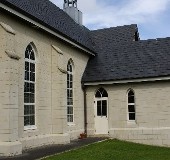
115,150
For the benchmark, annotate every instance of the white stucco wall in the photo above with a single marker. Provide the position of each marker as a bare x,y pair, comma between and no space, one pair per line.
152,124
51,84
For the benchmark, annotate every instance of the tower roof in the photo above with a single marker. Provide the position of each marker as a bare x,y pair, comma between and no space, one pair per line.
70,3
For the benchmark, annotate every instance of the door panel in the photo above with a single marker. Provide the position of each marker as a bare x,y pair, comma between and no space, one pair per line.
101,117
99,111
104,108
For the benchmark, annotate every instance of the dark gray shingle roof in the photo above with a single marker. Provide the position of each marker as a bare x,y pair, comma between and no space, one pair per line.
48,14
123,60
118,56
117,34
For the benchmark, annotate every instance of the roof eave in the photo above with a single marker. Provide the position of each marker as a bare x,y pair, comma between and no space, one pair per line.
138,80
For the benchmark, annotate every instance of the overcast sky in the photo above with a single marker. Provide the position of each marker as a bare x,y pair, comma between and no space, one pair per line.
152,16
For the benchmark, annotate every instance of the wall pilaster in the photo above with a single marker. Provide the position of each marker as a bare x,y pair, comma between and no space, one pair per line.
59,75
9,141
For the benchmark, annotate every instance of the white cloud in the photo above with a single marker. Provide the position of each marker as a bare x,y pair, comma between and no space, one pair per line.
135,7
101,14
135,11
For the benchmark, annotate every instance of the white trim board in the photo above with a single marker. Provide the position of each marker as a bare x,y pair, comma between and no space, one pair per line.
128,81
38,25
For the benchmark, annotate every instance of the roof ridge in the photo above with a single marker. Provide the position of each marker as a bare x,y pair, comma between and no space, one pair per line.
155,39
114,27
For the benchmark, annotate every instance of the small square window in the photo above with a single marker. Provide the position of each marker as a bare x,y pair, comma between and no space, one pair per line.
32,56
27,75
32,120
26,121
131,116
32,67
32,76
131,108
131,99
26,87
27,66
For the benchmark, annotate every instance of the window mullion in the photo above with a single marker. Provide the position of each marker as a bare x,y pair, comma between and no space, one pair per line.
132,104
101,109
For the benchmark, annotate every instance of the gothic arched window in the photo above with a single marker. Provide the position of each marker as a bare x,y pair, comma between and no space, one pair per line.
70,110
29,87
131,105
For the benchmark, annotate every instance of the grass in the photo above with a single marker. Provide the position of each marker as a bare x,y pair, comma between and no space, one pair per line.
115,150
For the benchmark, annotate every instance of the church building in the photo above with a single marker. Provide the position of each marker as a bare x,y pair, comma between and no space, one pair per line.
59,79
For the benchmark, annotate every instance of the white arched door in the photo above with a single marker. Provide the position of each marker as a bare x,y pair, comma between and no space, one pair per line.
101,112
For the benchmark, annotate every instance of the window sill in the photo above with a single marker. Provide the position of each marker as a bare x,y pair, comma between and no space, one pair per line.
71,124
131,123
28,128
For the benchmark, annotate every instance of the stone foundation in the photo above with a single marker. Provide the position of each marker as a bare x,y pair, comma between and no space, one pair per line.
16,148
10,148
150,136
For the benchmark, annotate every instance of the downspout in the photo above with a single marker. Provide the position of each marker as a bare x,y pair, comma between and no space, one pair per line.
85,109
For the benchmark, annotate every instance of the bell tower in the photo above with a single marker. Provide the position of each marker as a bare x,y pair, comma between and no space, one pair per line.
70,7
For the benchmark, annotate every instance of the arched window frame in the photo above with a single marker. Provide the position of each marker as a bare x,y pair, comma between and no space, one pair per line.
70,101
101,92
29,88
102,106
131,105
